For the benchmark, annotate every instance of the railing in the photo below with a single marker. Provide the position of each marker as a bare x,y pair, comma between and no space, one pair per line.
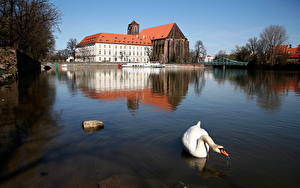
225,61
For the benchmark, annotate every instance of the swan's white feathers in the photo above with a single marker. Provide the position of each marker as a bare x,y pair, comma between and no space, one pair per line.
190,140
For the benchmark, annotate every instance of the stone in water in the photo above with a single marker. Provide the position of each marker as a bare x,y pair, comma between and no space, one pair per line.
92,125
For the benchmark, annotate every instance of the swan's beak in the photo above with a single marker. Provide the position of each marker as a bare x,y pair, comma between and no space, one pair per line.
223,152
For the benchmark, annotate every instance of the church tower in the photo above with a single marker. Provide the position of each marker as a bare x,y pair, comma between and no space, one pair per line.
133,28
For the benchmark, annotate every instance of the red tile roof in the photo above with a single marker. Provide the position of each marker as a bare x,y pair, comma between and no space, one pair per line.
158,32
115,39
144,38
281,48
292,52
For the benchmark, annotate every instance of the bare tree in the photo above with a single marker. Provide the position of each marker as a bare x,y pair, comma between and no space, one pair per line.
271,37
200,52
221,54
241,53
62,54
29,25
148,51
83,54
71,46
253,45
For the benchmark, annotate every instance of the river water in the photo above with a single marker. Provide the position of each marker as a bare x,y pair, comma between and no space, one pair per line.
255,115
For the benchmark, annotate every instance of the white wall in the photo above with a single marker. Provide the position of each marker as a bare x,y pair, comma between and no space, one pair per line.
209,58
104,52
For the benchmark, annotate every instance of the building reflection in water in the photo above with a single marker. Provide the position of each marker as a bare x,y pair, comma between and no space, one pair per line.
160,88
166,88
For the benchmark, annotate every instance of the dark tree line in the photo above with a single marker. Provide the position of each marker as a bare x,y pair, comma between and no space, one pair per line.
262,51
28,25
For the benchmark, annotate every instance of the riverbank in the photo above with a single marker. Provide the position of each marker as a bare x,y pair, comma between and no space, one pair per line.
8,65
15,64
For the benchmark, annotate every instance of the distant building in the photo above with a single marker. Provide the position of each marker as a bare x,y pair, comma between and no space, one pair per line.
165,43
292,53
209,58
70,59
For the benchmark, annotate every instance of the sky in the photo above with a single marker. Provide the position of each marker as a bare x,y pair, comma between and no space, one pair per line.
219,24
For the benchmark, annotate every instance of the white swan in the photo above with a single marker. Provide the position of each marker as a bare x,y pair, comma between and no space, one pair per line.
197,142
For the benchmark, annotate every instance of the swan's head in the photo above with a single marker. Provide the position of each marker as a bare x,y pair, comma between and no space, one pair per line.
220,149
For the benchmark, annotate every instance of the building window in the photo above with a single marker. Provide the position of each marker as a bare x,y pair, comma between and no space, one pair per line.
104,52
109,59
104,46
120,47
108,46
116,59
109,52
129,47
99,58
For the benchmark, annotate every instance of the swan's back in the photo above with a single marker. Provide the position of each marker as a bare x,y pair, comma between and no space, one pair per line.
191,136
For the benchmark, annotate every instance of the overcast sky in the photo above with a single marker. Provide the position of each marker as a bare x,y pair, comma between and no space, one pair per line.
220,24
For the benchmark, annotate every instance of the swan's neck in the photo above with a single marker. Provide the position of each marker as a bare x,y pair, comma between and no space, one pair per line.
207,139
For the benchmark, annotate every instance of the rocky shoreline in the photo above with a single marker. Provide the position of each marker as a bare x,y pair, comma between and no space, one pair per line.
8,66
14,64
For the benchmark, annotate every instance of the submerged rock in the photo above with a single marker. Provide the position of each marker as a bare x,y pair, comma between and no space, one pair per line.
92,125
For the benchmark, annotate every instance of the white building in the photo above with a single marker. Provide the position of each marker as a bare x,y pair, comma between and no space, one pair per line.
70,59
109,47
209,58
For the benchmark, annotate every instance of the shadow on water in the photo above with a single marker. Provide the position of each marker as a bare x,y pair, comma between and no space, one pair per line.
25,115
201,167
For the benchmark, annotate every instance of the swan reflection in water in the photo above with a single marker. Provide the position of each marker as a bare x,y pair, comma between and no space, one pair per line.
199,164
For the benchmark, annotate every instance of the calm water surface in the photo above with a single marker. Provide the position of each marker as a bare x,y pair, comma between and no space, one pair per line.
254,115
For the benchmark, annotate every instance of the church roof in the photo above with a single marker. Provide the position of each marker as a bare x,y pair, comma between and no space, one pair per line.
158,32
144,38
